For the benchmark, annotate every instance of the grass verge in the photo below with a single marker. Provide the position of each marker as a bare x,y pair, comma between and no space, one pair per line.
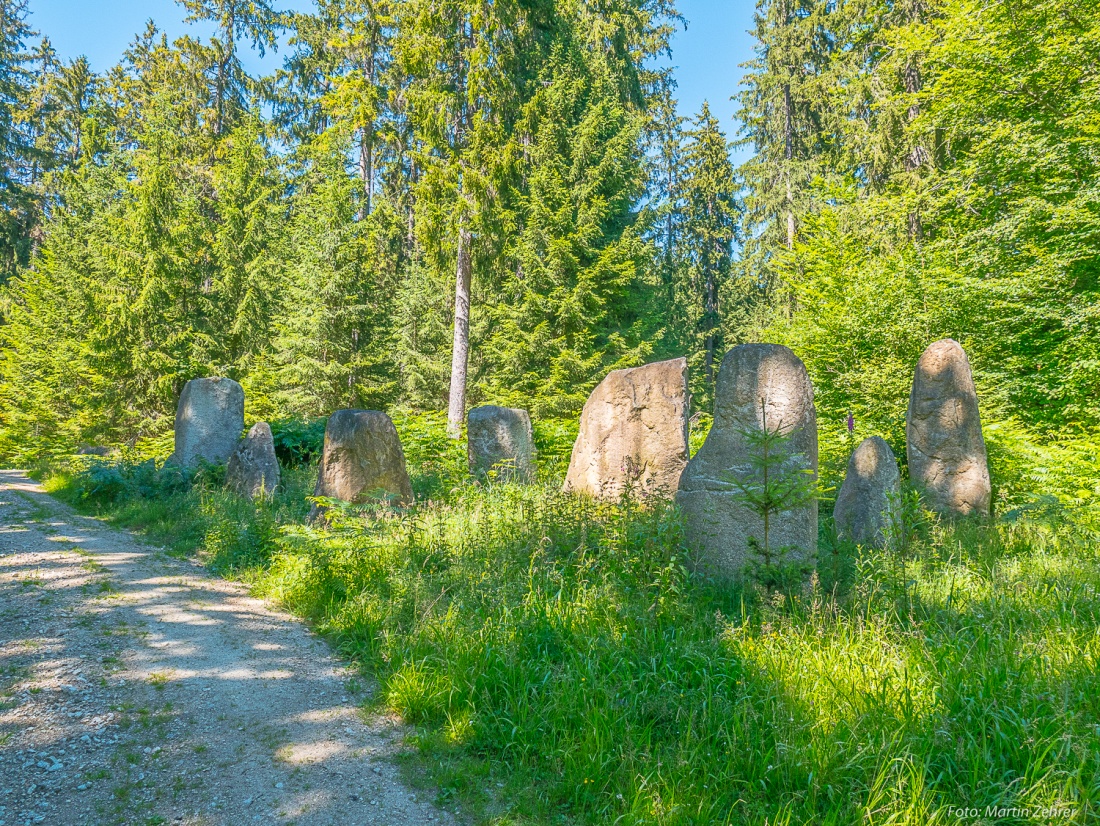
560,665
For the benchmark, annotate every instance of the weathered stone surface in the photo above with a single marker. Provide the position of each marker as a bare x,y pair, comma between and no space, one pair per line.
869,496
501,438
946,451
718,525
633,433
253,469
209,421
362,460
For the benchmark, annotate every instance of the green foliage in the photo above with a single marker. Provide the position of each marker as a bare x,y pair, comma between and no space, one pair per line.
562,648
311,255
574,305
19,157
298,441
709,217
187,512
931,194
333,346
778,480
100,483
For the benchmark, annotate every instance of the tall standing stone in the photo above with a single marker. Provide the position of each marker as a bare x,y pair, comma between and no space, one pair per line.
870,495
633,433
362,460
209,421
755,381
500,437
253,468
946,451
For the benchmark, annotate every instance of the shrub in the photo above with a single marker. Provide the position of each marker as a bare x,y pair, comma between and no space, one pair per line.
298,441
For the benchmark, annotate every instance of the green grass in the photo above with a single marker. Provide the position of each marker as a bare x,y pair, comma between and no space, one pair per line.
560,665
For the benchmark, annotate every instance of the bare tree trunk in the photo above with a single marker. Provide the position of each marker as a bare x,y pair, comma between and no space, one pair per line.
366,141
366,168
917,153
460,356
788,155
710,313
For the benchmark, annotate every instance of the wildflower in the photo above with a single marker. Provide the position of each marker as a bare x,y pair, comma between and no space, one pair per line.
851,422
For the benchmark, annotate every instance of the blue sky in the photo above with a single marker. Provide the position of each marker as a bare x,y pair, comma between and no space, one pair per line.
706,55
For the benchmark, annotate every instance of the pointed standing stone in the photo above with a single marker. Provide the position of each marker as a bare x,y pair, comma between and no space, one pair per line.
718,525
633,433
500,437
209,421
869,496
362,460
253,469
946,451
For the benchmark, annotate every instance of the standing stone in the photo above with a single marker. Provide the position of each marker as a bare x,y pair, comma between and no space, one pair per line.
633,433
362,460
209,421
946,451
253,469
500,436
869,497
718,525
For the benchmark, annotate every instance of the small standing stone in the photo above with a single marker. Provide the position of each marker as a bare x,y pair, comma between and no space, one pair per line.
500,437
209,421
945,447
253,468
718,525
869,497
633,433
362,460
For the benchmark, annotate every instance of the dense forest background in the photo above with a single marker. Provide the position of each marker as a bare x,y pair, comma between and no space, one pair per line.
920,169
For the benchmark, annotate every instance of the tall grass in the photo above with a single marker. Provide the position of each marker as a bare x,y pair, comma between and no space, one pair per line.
560,648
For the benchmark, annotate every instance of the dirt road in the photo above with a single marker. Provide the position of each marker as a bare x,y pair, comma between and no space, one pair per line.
135,688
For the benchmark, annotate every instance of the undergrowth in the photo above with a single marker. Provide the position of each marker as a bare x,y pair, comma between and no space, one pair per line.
559,663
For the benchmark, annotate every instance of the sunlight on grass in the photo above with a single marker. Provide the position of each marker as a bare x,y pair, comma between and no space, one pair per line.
557,658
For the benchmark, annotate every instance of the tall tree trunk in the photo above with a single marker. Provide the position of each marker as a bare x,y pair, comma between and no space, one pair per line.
366,167
916,156
710,311
219,94
788,155
366,140
460,355
710,297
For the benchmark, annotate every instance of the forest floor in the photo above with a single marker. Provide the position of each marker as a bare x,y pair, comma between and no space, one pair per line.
136,688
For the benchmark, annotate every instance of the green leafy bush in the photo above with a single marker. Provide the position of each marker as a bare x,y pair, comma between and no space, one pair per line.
298,441
101,482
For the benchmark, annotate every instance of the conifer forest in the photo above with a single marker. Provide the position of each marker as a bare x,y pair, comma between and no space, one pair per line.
428,207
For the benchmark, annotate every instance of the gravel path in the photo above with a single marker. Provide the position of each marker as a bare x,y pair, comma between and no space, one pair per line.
135,688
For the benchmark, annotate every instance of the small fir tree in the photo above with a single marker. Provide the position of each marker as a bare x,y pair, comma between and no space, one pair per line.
780,481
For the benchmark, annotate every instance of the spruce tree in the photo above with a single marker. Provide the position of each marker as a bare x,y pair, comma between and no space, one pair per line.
254,20
18,205
711,214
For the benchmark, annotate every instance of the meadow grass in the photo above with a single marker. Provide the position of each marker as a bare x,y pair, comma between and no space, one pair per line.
559,663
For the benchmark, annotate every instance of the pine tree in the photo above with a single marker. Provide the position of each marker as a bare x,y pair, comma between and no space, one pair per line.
468,66
711,215
575,304
663,208
785,113
18,207
254,20
333,346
